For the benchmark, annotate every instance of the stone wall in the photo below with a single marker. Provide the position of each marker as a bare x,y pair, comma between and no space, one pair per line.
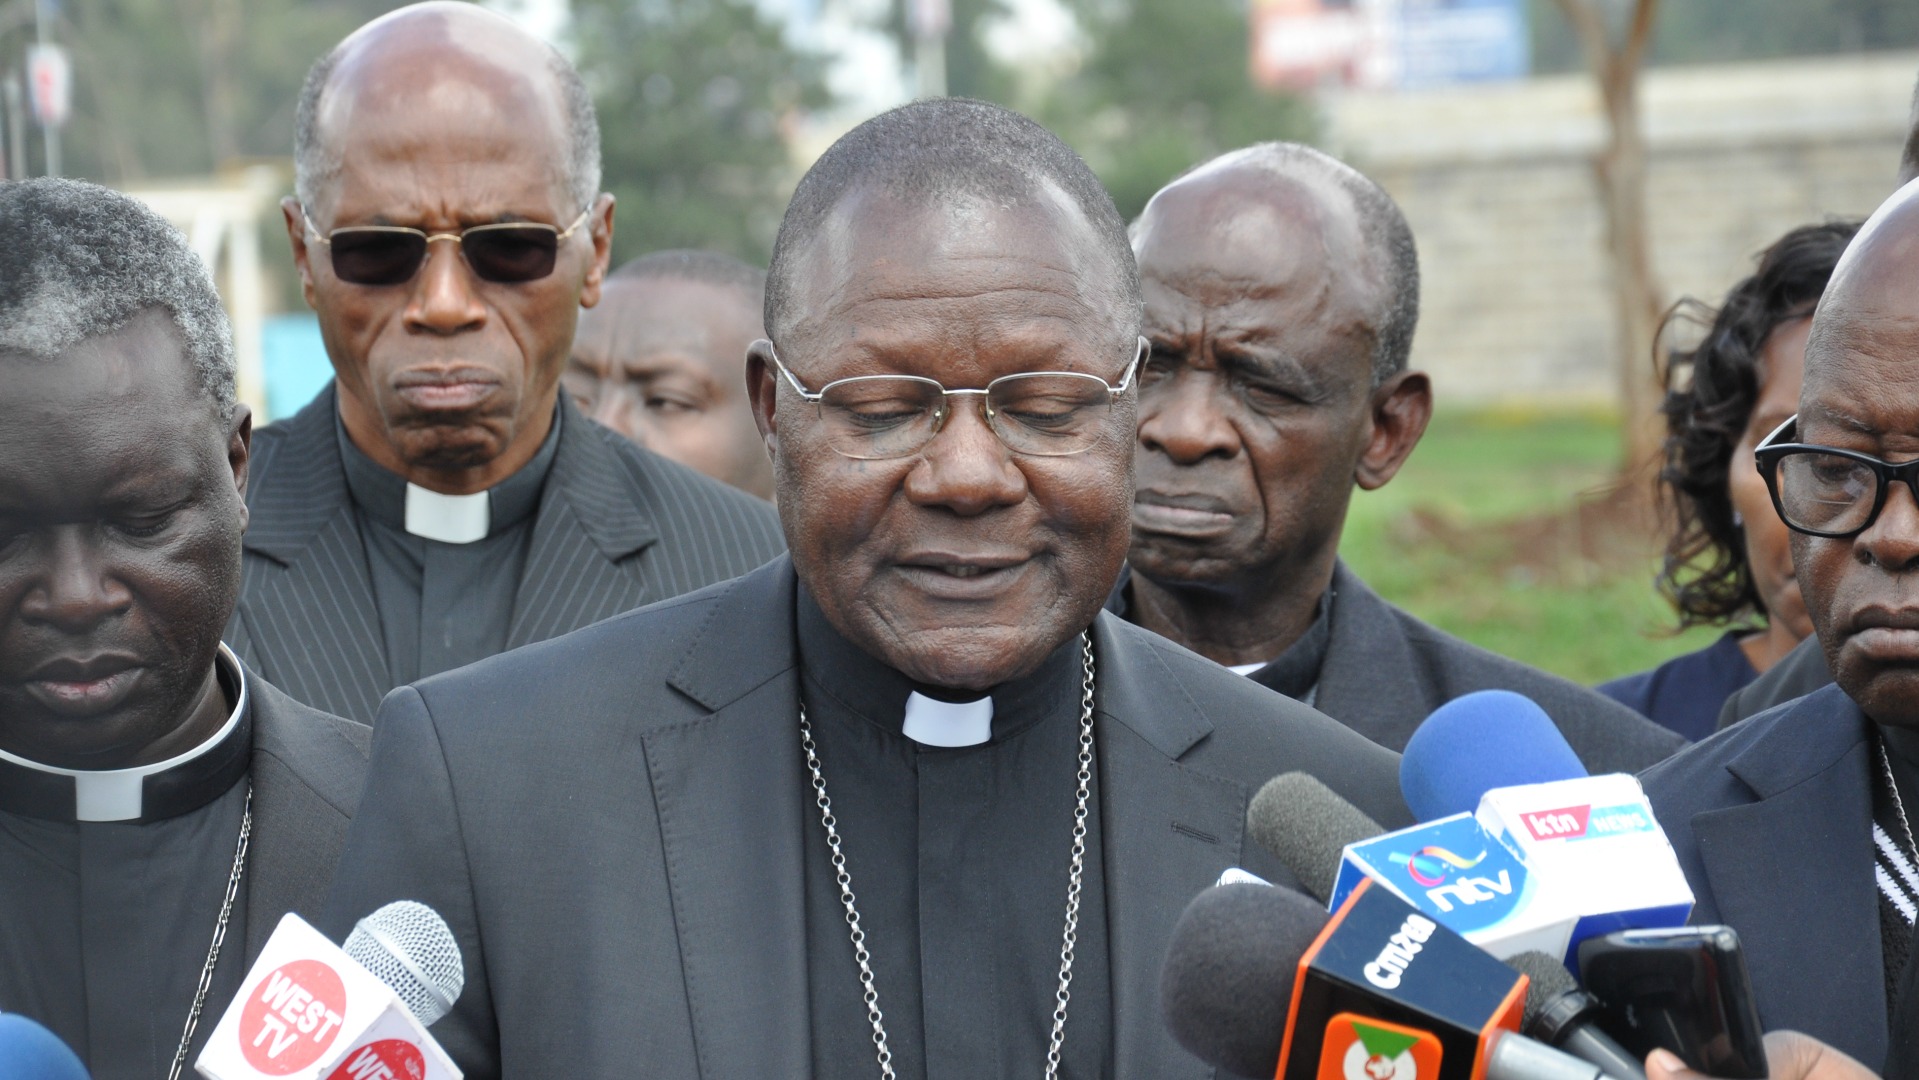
1498,184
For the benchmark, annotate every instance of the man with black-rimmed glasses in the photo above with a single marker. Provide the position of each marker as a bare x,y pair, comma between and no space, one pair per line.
1792,825
441,501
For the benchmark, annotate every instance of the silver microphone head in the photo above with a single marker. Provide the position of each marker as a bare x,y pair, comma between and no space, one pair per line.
409,947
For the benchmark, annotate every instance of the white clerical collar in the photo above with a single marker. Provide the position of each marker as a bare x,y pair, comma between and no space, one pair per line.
450,519
932,722
1246,669
120,794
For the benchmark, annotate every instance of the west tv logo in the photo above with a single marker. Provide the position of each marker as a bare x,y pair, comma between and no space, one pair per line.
1362,1048
1587,822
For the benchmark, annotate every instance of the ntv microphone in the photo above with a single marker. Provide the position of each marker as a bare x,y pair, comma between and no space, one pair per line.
312,1010
1591,842
1258,982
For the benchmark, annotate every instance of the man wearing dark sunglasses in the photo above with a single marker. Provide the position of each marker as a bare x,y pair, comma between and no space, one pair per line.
441,501
1793,825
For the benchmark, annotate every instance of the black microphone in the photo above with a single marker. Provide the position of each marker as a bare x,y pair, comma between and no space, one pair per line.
1306,826
1560,1014
1259,982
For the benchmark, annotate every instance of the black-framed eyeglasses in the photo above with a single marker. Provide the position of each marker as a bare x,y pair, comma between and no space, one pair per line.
1825,491
1037,413
509,252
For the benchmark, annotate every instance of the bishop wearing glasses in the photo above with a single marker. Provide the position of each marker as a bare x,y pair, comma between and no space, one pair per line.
905,803
1795,826
441,501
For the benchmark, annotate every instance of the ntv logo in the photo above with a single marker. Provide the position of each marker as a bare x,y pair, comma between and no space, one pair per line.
1431,866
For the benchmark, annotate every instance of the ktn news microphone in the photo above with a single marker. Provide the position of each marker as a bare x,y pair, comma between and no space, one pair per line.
1590,845
311,1010
1259,982
1310,828
28,1051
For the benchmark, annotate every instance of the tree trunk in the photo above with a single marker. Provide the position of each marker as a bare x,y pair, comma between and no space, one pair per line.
1620,171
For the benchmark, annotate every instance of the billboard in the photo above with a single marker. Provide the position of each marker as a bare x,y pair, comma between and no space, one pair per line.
1387,44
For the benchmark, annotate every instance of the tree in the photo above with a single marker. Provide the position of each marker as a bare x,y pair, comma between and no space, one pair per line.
1620,169
1164,86
693,96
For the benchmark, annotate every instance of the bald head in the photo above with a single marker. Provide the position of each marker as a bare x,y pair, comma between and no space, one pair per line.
1280,221
453,67
1872,299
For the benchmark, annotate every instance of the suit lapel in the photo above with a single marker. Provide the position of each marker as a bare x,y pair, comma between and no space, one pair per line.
1166,838
579,568
1793,872
727,791
1368,681
308,606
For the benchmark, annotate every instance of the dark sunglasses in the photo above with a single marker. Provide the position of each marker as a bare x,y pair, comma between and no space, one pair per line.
510,253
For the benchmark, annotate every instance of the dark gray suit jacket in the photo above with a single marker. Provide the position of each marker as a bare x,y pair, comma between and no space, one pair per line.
1386,671
1797,674
1772,822
613,824
617,527
307,771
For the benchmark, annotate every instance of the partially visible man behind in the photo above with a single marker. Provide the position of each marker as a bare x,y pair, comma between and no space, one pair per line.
1822,784
155,796
1281,290
662,360
441,501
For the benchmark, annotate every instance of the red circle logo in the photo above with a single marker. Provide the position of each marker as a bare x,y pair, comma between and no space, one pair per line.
387,1059
293,1016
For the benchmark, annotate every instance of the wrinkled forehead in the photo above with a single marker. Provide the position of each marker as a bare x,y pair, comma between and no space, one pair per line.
1264,233
892,263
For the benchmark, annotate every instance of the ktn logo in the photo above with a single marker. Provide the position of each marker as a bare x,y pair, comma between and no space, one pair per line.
1587,823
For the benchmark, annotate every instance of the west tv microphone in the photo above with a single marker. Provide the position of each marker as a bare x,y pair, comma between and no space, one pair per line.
28,1051
312,1010
1259,982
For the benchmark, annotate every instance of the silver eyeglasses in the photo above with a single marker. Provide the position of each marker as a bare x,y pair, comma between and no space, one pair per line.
1038,413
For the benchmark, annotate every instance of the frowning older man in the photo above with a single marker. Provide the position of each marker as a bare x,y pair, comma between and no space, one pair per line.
920,724
441,500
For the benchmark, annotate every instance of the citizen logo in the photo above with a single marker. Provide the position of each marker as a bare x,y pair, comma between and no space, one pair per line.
1386,969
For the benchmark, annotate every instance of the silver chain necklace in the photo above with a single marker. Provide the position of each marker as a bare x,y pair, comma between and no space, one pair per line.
1885,765
219,938
1075,877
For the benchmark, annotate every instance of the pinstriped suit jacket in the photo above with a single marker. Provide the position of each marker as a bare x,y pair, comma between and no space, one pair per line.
617,527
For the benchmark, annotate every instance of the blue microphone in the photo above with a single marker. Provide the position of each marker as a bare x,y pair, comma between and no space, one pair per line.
1477,742
29,1051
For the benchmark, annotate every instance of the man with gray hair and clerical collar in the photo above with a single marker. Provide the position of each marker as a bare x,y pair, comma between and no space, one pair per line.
650,836
441,500
161,807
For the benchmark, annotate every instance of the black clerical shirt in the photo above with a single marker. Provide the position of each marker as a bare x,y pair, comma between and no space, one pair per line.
105,925
443,605
1294,672
959,859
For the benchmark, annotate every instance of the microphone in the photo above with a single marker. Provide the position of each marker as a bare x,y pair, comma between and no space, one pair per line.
310,1010
1476,742
1307,826
1259,982
28,1051
1560,1014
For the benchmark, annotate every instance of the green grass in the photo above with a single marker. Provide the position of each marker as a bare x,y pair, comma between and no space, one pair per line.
1447,541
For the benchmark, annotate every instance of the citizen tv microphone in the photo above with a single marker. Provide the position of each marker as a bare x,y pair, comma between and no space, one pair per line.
1258,982
310,1010
1476,742
28,1051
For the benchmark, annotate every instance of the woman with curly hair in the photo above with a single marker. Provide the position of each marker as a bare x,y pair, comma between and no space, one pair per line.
1727,562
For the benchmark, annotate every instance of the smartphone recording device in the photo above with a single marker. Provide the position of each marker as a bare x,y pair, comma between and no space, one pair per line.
1682,989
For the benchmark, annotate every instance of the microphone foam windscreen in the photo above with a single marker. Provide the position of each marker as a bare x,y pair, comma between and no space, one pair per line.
1307,825
29,1051
409,947
1477,742
1549,978
1227,985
